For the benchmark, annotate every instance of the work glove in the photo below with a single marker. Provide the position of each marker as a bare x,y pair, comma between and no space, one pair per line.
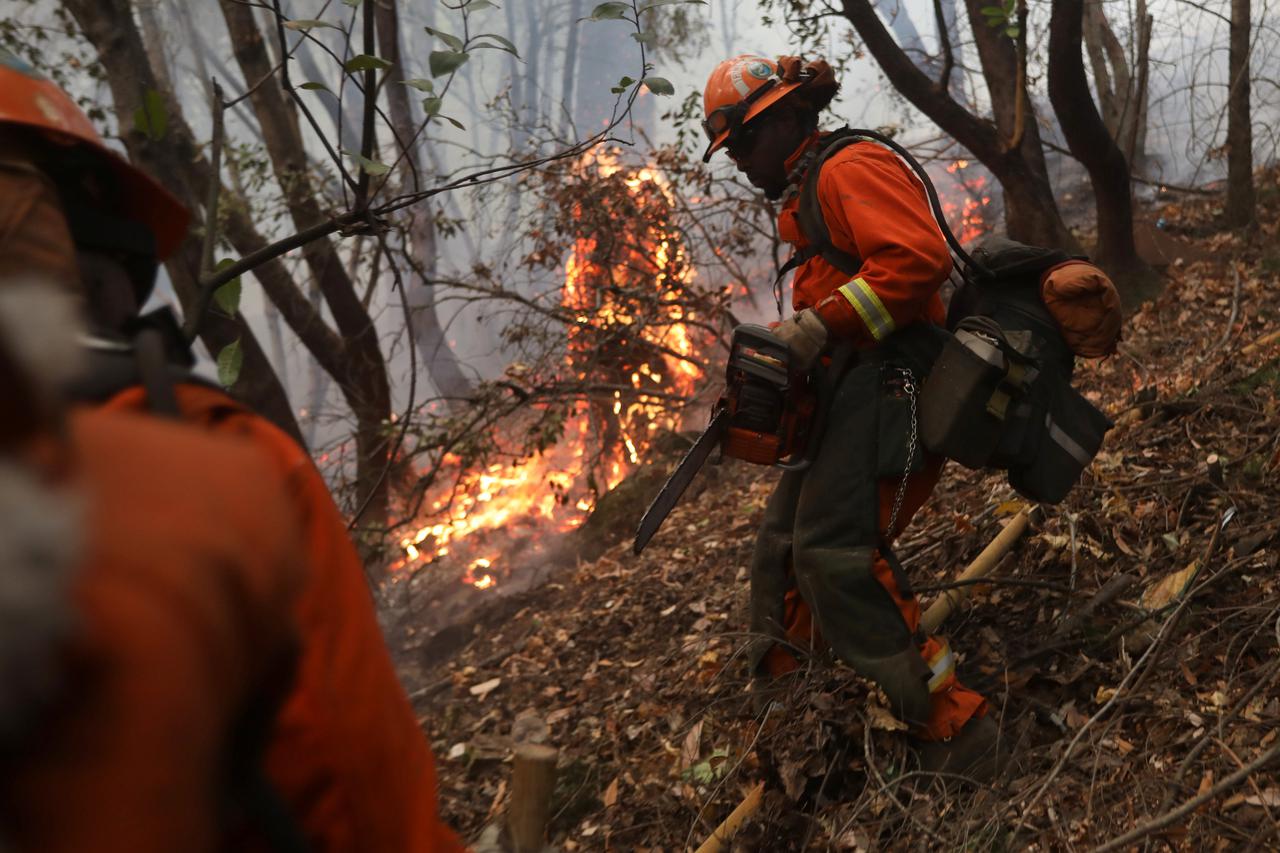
806,336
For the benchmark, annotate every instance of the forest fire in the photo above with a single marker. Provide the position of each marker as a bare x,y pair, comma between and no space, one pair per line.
629,362
968,217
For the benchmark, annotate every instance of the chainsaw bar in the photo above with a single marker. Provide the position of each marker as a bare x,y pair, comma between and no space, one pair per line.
680,480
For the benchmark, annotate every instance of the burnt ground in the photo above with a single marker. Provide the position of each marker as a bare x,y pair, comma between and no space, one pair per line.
1152,713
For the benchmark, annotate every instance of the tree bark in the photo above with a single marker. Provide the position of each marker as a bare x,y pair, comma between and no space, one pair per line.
1241,204
362,376
428,335
1030,209
109,26
1093,146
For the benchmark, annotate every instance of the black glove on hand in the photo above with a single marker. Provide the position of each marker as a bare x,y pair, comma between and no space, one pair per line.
805,335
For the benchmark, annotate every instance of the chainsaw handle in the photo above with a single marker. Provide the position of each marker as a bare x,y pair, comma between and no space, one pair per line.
831,377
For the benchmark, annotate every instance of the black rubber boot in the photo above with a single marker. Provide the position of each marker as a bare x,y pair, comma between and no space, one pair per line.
976,753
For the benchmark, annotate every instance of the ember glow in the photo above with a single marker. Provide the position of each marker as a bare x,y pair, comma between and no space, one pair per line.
629,346
966,204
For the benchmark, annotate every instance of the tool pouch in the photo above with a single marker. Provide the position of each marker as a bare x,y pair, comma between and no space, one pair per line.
974,387
1000,396
1050,439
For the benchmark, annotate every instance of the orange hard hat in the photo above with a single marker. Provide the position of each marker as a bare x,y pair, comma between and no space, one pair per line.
742,88
29,99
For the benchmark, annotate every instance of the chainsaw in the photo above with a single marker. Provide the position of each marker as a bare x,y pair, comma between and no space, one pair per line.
768,414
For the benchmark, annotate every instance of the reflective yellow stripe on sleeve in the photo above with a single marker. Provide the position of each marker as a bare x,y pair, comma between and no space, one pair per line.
942,664
869,307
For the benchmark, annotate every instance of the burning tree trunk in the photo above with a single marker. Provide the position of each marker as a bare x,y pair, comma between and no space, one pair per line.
1010,147
1241,206
1092,145
110,28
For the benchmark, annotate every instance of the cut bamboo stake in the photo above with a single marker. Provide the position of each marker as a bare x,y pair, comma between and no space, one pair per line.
729,826
981,566
533,777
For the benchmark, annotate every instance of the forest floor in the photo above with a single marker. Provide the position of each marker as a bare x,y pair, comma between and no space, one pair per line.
1154,714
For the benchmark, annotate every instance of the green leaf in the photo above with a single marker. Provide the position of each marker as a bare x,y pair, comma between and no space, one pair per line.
304,24
477,5
227,296
365,62
230,360
446,61
431,105
659,85
502,43
352,3
453,41
611,11
316,87
993,11
421,84
656,3
151,119
647,38
453,121
369,167
1011,32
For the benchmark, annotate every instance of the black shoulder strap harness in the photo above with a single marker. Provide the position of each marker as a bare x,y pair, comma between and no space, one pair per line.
813,225
152,353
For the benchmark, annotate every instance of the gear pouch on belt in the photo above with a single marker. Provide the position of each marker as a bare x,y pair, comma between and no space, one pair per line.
1060,434
970,394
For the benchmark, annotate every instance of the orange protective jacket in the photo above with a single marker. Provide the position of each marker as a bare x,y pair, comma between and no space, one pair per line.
190,566
348,756
876,209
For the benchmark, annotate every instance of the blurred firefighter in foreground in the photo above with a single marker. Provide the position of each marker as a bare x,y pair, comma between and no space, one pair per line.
823,572
142,587
346,755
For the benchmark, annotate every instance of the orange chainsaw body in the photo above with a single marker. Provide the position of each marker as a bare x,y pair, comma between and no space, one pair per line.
770,407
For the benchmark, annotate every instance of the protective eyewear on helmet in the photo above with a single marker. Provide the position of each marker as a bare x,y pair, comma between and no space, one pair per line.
731,116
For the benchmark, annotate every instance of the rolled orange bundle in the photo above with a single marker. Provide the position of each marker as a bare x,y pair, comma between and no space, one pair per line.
1086,306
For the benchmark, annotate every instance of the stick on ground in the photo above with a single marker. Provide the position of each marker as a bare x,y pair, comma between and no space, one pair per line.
730,825
981,565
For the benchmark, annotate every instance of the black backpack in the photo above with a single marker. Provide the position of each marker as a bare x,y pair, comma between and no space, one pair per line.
999,395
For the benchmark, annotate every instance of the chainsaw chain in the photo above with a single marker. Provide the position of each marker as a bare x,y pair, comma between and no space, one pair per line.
908,388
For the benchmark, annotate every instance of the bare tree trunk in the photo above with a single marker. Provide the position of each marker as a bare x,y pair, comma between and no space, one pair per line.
1092,145
1134,139
1030,208
109,26
1241,204
362,377
428,335
1121,87
569,73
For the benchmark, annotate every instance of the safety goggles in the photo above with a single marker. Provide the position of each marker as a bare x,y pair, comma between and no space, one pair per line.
730,117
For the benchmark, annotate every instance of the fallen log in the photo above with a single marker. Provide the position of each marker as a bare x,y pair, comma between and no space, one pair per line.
981,566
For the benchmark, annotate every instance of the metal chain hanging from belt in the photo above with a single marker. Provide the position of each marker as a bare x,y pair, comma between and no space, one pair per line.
908,388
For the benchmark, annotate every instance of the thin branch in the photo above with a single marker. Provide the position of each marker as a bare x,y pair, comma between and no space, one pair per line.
201,304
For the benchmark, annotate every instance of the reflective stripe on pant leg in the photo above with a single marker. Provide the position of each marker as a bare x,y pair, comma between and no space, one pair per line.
951,704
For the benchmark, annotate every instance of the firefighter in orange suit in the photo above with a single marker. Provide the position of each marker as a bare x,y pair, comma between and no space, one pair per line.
823,572
142,582
347,755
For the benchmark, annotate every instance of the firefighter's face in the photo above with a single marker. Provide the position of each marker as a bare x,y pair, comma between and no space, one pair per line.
761,148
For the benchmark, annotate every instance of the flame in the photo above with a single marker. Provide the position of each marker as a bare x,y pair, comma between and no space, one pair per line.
968,217
613,340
